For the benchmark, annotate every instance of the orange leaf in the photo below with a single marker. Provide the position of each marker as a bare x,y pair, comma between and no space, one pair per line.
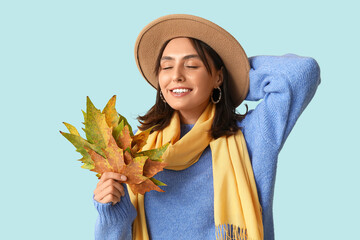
139,140
111,116
127,157
124,139
134,171
144,187
153,167
115,156
101,164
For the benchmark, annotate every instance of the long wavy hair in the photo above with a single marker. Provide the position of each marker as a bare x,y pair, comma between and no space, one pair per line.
226,117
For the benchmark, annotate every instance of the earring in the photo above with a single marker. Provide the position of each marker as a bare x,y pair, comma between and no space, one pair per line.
162,97
212,96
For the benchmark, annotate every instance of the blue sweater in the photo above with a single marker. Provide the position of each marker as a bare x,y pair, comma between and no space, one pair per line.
286,84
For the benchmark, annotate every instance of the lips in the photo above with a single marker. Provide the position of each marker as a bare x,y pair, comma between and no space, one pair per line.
179,92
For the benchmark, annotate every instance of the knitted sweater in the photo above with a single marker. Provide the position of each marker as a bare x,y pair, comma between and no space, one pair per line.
285,84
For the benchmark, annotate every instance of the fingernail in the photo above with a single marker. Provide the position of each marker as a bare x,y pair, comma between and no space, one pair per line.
123,178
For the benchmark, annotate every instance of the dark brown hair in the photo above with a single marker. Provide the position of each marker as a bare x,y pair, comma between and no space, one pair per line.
225,118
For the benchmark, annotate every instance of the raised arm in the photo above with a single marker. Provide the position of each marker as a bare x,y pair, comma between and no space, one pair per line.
286,84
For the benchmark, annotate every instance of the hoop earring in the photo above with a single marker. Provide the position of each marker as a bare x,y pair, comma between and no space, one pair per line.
212,96
162,97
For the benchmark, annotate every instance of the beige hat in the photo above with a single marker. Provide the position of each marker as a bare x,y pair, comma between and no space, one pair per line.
156,33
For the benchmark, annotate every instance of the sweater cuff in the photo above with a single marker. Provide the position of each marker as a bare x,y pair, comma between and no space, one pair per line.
122,211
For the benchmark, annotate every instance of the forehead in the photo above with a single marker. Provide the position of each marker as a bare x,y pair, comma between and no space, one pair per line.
179,46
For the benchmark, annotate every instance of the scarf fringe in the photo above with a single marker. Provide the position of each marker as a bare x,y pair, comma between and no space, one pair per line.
231,232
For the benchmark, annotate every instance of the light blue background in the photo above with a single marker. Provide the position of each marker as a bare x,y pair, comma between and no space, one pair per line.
55,53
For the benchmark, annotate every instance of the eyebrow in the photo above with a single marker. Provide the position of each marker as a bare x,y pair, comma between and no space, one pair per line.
184,58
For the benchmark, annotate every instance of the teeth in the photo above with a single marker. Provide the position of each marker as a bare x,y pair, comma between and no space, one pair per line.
181,90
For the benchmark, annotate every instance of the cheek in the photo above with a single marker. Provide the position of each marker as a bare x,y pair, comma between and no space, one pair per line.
162,81
206,86
206,92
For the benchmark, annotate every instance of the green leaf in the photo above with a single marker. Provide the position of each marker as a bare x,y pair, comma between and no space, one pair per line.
86,160
71,129
122,118
154,154
84,115
96,129
118,129
79,143
111,116
157,182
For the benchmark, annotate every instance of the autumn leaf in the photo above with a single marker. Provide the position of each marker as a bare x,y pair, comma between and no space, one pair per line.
126,123
71,129
111,116
157,182
134,170
145,186
127,157
154,154
124,139
110,146
80,143
153,167
139,140
96,129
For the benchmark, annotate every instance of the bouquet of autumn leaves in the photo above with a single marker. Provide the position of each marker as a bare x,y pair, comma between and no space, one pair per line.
111,146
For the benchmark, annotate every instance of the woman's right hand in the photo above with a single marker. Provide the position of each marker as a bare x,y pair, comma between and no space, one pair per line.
109,188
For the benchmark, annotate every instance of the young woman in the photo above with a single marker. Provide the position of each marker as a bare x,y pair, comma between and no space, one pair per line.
221,165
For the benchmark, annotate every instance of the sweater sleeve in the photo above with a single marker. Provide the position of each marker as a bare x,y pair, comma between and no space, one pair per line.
285,84
115,221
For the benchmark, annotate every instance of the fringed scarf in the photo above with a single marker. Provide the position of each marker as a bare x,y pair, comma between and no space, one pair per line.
237,211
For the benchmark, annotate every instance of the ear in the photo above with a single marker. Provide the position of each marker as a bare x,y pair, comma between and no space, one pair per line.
220,77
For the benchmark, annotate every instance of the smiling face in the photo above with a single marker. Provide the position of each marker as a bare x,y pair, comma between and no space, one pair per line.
184,80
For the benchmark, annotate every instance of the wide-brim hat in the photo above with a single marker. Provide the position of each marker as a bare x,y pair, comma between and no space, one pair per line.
156,33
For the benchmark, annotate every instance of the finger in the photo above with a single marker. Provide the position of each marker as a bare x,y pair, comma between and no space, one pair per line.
109,190
111,175
107,183
119,187
110,198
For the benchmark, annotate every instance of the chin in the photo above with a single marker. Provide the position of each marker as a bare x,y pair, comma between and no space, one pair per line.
177,107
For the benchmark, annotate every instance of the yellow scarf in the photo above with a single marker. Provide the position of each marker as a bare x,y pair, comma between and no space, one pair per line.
236,206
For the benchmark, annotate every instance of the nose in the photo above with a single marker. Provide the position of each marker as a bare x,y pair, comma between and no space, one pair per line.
178,75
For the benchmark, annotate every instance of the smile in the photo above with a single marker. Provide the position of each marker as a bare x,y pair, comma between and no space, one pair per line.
180,90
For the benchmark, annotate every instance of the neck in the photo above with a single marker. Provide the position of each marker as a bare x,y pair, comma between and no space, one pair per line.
190,117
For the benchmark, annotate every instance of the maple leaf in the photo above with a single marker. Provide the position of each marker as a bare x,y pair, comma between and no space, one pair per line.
146,186
96,129
139,140
124,139
154,154
152,167
111,116
134,170
111,147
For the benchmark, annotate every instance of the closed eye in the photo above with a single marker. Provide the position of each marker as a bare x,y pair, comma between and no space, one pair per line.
192,66
164,68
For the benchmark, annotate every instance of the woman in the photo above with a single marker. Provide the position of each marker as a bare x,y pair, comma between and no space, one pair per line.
221,165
